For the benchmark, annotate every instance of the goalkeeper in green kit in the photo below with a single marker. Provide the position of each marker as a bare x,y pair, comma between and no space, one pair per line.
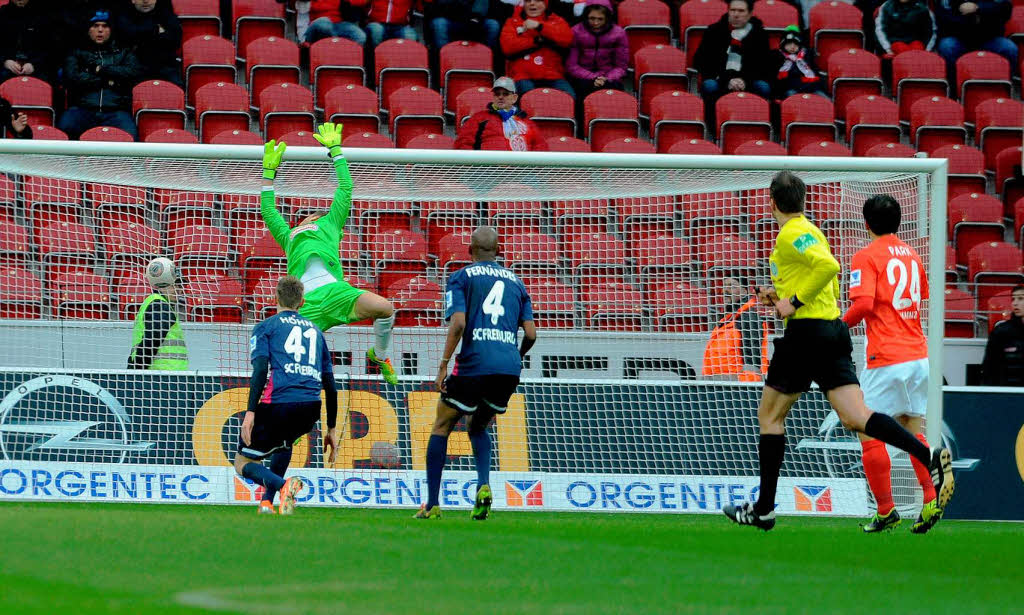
312,251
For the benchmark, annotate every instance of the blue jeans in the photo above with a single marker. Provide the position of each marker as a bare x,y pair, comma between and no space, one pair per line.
325,28
525,85
443,31
77,120
951,48
380,32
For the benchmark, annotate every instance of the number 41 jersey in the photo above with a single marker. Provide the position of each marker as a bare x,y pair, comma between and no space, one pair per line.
297,355
495,303
891,272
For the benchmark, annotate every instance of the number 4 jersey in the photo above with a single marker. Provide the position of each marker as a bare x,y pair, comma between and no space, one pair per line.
891,272
297,355
495,303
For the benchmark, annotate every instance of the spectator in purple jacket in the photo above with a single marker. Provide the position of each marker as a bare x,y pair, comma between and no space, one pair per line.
599,56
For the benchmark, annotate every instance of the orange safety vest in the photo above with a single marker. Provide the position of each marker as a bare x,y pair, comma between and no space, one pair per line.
724,356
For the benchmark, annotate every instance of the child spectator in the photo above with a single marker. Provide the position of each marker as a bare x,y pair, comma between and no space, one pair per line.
794,67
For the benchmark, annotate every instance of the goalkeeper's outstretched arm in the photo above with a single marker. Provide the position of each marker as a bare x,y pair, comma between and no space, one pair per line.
329,135
276,224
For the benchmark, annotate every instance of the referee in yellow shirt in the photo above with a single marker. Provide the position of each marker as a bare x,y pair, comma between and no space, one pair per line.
816,347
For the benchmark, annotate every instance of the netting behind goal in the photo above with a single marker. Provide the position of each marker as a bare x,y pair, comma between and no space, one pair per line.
630,271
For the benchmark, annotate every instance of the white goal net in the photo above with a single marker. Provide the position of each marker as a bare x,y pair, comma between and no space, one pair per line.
632,263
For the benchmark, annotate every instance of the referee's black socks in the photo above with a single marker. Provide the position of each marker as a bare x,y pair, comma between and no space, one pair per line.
885,428
770,449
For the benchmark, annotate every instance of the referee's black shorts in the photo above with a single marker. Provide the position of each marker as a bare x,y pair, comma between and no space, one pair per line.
812,350
278,426
467,393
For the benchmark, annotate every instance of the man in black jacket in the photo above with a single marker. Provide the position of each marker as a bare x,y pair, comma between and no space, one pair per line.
970,26
99,77
23,38
733,56
1003,364
152,30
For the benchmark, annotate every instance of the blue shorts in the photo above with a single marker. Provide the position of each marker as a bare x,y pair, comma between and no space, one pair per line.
279,426
467,393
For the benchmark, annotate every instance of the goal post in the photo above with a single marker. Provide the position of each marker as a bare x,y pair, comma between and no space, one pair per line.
625,256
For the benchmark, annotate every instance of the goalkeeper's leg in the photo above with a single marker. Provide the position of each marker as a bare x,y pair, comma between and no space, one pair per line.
380,310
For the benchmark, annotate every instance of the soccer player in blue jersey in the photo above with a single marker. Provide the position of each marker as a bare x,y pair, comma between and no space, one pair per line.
485,304
290,365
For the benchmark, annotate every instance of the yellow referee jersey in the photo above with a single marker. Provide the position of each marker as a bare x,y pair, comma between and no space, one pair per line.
802,264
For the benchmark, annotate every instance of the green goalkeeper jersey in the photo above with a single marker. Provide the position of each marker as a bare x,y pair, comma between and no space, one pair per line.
321,237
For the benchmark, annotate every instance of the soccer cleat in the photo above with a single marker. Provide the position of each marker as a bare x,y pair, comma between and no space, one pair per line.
941,469
266,508
483,503
423,513
291,488
386,369
745,515
878,523
930,515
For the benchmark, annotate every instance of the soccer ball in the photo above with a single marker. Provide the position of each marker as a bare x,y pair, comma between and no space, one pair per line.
384,455
160,272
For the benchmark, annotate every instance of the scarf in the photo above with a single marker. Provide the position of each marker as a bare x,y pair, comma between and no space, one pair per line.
733,60
807,75
513,129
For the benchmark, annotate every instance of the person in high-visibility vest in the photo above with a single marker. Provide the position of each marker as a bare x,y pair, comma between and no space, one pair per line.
738,347
157,339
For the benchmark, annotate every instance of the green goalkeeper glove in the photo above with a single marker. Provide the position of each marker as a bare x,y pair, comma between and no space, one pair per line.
330,137
272,153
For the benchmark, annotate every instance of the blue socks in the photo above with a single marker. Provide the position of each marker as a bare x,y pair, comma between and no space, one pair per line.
482,452
262,476
437,454
278,465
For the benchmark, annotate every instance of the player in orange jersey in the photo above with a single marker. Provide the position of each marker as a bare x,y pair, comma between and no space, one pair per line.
887,284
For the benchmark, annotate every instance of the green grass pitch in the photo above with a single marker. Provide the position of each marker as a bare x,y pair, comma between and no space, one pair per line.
101,558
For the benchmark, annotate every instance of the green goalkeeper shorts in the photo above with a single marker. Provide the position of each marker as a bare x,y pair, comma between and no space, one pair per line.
331,304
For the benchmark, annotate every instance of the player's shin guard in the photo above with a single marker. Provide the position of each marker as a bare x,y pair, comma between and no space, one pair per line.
885,428
924,477
877,468
279,465
257,473
481,442
382,336
770,451
437,452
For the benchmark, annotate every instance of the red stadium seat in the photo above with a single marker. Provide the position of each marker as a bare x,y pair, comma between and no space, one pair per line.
219,107
417,302
659,69
381,216
629,145
676,116
1007,184
21,294
579,216
215,298
255,19
741,117
464,65
916,74
107,134
760,148
158,105
638,218
1018,220
397,254
936,121
65,246
994,267
694,147
15,248
440,218
198,18
524,213
728,254
835,26
613,307
398,63
368,139
129,245
981,75
335,62
998,309
531,255
49,200
825,148
551,110
662,258
257,254
48,133
180,209
709,215
966,169
171,135
554,306
31,95
80,295
870,121
647,23
415,111
355,106
567,144
694,18
472,100
207,59
807,118
679,307
776,15
453,250
271,60
199,249
262,301
959,321
431,141
284,108
997,126
852,73
237,137
596,257
974,218
113,203
609,115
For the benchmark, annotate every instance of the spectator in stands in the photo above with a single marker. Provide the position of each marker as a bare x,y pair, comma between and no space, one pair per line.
461,20
72,14
794,67
99,77
738,347
970,26
16,123
599,56
733,55
336,18
389,19
1003,364
152,30
24,32
534,40
903,25
502,125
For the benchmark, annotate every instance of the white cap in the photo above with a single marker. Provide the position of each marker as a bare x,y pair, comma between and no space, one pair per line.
504,83
160,272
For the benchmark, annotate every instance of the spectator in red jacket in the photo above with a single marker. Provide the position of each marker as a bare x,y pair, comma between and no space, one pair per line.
534,39
336,18
390,19
502,125
599,57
